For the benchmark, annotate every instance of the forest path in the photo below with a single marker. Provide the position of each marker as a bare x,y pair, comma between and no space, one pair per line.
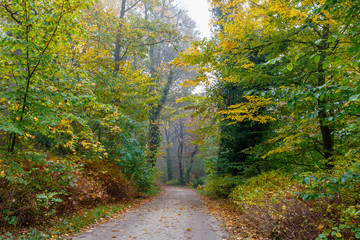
177,214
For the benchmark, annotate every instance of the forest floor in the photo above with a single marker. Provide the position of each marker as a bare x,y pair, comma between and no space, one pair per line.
178,213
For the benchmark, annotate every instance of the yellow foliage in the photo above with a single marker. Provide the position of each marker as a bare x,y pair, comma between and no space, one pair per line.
249,110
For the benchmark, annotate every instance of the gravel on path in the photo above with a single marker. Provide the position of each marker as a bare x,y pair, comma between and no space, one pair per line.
177,214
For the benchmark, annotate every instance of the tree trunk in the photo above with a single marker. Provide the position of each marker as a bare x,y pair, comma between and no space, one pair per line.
117,57
191,163
326,133
154,128
181,135
169,166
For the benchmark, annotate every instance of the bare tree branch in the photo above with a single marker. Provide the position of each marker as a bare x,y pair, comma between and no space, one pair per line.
12,14
132,6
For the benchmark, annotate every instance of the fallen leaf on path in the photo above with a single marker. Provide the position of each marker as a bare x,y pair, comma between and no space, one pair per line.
232,219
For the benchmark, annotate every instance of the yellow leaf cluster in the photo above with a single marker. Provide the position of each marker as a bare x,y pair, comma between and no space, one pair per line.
249,110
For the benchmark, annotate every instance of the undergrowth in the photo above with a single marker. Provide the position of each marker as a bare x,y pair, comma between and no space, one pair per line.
38,189
280,205
65,226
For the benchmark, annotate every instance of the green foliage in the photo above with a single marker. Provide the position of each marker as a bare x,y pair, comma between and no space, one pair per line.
342,191
297,70
238,136
75,129
300,69
48,200
30,90
33,234
174,182
135,165
332,185
32,186
152,191
221,186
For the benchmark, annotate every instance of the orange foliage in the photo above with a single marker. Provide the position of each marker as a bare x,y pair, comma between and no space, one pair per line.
35,188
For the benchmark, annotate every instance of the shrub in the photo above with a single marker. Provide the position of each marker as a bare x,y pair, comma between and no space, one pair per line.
173,182
31,186
111,178
135,166
218,186
85,190
35,187
269,205
341,191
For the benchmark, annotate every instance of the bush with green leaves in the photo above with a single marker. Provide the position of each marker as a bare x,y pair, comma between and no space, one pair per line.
341,190
174,182
32,186
221,186
135,166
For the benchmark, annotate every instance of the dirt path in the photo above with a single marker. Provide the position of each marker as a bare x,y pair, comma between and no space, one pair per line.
176,214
